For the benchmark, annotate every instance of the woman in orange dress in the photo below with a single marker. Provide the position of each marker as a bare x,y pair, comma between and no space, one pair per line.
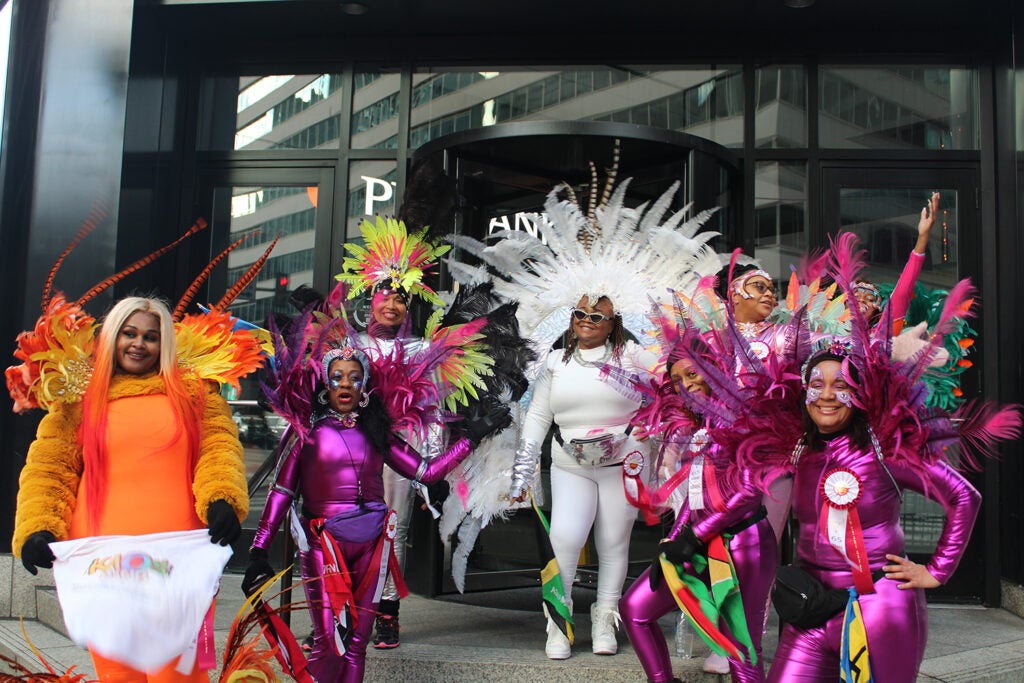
148,449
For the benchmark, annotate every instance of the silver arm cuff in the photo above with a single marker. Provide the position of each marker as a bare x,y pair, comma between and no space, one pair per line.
524,467
285,491
435,442
420,471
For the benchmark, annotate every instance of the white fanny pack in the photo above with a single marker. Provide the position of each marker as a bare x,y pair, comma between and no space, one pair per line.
596,451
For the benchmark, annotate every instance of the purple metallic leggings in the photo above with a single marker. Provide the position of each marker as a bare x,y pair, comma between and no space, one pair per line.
755,554
324,662
897,627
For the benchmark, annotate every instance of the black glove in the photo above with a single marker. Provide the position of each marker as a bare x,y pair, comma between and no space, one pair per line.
258,572
223,523
36,552
680,549
654,576
477,429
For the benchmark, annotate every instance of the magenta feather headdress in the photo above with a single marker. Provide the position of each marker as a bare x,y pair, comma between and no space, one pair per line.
892,394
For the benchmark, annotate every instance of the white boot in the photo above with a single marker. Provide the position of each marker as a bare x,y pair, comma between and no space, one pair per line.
716,664
603,621
558,645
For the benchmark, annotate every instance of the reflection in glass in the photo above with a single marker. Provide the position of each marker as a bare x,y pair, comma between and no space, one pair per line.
780,120
780,215
899,107
271,112
375,110
885,220
704,101
261,214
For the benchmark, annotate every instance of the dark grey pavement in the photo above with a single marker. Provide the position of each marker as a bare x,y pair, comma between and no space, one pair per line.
499,636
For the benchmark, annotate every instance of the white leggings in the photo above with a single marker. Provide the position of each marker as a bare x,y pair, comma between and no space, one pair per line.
586,497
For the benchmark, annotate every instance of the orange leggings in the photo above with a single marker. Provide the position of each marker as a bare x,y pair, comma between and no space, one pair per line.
109,671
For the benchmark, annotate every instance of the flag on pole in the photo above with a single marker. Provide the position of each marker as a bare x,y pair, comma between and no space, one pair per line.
556,606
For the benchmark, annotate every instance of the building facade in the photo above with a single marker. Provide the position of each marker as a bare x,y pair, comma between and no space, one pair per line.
298,119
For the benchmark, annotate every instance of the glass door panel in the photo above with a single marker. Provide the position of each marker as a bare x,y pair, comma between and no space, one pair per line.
883,207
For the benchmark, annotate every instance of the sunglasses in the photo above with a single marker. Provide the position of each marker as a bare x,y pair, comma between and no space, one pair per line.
595,318
762,288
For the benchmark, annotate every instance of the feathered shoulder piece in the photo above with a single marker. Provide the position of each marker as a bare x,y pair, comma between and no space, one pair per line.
392,258
490,355
57,353
823,308
213,347
753,407
924,313
56,357
892,391
404,377
583,253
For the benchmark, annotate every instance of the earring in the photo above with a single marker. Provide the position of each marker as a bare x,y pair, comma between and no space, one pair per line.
364,400
322,397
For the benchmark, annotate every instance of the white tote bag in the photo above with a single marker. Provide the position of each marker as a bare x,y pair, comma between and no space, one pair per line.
139,600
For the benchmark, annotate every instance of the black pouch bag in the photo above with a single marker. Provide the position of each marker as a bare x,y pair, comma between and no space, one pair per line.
802,600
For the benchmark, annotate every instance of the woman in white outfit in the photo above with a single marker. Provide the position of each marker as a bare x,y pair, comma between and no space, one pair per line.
586,483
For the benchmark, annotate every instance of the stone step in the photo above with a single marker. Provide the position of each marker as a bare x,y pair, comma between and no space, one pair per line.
48,611
499,636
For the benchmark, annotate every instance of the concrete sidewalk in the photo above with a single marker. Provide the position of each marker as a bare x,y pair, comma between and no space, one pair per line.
499,636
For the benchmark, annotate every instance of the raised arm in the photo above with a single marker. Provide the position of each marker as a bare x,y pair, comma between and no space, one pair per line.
899,302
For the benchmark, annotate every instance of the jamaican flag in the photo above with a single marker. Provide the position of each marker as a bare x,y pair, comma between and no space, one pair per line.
556,606
705,605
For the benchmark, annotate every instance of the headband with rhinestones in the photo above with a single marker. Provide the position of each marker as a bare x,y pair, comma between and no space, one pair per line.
347,352
826,346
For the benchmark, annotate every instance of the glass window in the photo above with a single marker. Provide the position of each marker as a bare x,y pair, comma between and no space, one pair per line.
885,220
371,191
932,108
780,117
705,101
375,112
275,111
260,214
780,215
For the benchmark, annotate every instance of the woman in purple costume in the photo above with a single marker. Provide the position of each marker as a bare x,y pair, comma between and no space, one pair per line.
336,471
717,499
840,465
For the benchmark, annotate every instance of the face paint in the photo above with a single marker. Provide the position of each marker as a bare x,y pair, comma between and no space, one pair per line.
813,390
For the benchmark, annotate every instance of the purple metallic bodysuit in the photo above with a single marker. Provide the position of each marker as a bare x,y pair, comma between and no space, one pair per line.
895,620
754,552
329,472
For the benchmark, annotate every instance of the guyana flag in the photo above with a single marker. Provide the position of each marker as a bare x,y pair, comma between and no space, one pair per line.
705,605
556,607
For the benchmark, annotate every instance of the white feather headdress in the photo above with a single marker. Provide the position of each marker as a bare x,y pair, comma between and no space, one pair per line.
628,255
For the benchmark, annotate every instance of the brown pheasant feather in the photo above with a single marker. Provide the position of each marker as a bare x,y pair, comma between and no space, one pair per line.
200,224
96,216
193,288
246,279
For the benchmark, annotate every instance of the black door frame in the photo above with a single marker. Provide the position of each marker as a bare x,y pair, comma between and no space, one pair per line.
977,579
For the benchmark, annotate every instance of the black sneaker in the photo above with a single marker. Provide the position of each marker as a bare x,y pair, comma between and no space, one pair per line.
386,636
